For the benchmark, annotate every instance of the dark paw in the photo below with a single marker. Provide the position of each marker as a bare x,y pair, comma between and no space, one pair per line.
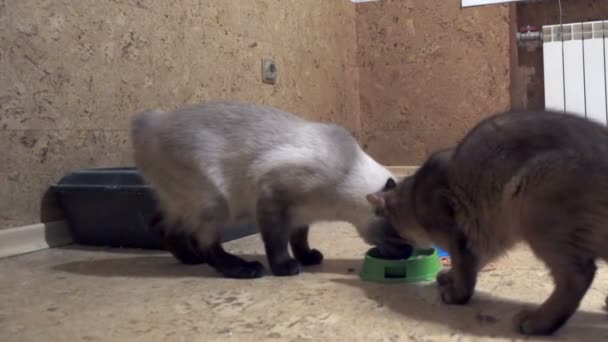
449,292
313,257
530,322
288,268
247,270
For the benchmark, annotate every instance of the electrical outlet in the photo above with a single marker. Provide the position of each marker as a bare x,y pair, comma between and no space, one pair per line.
269,71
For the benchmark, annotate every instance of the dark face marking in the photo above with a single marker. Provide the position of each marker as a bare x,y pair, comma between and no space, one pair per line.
389,244
390,185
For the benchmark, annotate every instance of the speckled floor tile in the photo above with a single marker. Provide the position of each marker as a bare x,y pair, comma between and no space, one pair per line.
89,294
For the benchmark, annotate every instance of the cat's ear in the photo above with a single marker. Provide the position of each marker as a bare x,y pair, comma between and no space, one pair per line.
376,200
390,184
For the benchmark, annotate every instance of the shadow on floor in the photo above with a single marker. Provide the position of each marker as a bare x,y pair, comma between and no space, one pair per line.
485,316
157,264
114,250
146,266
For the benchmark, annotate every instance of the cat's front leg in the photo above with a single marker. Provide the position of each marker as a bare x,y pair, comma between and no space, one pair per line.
273,222
457,285
301,250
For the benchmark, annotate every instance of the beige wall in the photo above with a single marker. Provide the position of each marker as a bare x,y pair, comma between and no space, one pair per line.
429,71
405,76
73,72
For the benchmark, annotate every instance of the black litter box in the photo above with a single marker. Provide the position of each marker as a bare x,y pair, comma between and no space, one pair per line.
113,207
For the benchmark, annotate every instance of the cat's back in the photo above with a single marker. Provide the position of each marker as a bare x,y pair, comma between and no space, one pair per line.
224,115
497,148
230,120
213,129
525,132
258,125
506,141
242,136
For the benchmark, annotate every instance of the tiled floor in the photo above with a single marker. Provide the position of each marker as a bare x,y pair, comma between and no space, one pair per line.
73,294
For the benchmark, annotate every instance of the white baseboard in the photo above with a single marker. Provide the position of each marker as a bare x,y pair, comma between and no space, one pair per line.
21,240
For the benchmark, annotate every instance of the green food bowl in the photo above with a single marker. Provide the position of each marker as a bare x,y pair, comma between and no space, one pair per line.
422,265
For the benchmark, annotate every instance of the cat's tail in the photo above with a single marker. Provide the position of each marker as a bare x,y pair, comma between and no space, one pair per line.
143,121
145,138
143,128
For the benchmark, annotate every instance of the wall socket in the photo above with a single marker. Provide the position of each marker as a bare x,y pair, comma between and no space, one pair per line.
269,71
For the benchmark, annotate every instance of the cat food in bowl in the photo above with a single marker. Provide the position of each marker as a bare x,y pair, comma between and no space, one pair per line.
421,265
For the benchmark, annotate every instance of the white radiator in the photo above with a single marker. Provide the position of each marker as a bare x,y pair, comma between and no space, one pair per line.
576,68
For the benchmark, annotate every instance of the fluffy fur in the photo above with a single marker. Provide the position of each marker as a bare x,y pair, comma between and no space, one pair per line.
219,164
539,177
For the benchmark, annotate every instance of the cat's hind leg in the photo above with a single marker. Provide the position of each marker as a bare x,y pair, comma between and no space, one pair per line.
181,245
193,236
211,222
230,265
559,193
184,248
573,273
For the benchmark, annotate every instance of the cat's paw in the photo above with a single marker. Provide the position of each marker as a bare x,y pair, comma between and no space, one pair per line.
313,257
530,322
287,268
247,270
449,291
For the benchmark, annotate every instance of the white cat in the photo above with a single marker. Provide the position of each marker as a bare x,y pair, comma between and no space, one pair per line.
223,163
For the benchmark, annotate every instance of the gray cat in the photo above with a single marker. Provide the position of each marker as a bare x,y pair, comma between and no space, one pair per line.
222,163
534,176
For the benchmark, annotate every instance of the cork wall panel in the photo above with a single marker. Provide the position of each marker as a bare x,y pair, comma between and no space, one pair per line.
429,71
72,74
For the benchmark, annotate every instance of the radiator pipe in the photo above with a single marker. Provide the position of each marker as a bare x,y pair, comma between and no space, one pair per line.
529,35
